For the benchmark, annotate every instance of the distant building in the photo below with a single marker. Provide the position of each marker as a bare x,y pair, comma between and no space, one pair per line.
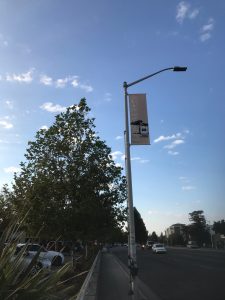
177,229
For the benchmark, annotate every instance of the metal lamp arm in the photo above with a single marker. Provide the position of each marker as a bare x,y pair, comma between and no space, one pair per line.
146,77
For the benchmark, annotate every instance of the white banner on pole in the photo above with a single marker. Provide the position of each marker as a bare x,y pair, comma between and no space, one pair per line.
139,119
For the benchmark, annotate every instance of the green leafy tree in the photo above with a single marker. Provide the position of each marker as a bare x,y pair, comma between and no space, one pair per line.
141,234
69,183
118,235
162,238
219,227
154,237
197,229
176,239
6,208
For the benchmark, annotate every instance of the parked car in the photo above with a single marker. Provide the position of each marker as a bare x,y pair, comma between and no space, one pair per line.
42,262
158,248
56,258
64,247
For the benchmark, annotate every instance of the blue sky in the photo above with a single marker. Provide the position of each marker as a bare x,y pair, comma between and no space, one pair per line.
52,53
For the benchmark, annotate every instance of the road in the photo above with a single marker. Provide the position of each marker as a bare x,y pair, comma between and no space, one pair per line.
182,273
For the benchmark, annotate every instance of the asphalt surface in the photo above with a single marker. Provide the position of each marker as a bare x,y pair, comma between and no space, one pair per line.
181,274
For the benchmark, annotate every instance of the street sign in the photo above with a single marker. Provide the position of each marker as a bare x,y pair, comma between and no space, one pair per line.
139,119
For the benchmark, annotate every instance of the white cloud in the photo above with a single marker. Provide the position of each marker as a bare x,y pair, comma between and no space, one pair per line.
193,14
182,11
174,144
4,142
12,170
173,152
178,142
54,108
61,83
5,124
10,141
119,137
45,127
27,77
205,36
208,27
115,154
46,80
119,165
144,161
9,104
186,184
108,97
163,138
75,82
184,179
206,30
87,88
23,77
188,188
3,41
135,158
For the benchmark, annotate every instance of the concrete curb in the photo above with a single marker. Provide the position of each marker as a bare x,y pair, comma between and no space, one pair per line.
88,290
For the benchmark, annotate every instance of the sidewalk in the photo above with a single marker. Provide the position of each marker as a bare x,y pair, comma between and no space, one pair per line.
113,281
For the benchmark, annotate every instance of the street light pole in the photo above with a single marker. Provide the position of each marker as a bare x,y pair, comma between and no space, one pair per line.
132,259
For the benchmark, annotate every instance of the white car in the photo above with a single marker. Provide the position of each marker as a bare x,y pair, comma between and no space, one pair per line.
158,248
56,258
42,263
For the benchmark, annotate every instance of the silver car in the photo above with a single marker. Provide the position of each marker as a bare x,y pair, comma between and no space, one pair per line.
56,258
158,248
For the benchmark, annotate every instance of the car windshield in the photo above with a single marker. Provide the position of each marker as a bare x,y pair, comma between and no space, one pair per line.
159,245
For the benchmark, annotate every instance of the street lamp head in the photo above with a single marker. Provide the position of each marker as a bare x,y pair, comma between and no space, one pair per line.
179,69
125,84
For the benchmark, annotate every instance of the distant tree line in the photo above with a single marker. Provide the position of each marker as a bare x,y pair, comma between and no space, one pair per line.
219,227
198,230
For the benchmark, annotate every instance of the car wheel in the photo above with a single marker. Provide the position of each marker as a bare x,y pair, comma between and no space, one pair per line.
38,266
35,269
57,261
